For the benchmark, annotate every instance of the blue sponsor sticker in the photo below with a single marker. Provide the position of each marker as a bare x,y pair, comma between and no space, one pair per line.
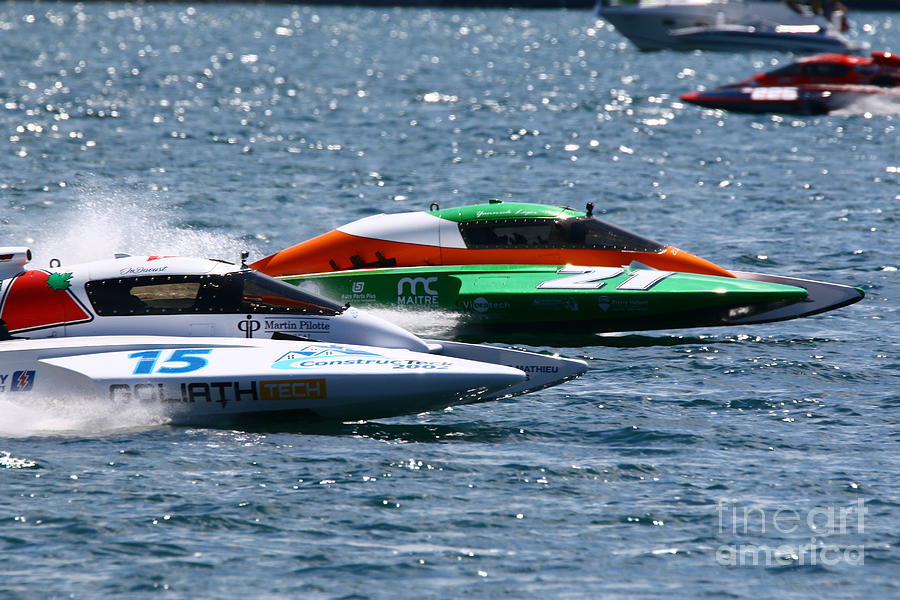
22,381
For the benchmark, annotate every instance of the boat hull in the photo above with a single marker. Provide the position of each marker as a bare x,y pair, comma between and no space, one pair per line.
736,38
201,380
596,299
799,100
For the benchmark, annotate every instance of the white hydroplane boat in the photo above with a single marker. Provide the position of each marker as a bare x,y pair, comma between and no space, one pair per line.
209,341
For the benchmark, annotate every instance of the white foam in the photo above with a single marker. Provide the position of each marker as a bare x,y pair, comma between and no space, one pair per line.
8,461
34,416
872,106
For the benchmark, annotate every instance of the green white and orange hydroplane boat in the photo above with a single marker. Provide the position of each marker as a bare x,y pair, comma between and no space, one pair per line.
506,264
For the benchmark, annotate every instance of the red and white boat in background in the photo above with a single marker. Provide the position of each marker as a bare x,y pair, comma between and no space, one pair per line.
811,86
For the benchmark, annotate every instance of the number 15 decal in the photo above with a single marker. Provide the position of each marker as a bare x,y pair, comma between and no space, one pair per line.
185,361
592,278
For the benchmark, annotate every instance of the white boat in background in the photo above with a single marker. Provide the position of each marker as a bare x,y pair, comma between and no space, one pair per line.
677,24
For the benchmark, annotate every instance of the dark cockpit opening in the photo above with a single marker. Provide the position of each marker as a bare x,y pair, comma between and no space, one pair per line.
817,69
575,232
231,293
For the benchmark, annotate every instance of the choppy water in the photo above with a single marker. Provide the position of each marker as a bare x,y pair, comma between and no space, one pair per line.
205,130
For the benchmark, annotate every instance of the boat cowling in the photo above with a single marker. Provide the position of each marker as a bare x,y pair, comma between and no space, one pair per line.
886,59
493,233
170,295
13,260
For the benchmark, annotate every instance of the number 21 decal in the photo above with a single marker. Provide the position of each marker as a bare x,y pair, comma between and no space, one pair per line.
592,278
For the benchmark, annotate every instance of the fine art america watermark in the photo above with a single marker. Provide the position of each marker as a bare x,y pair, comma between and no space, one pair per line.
814,526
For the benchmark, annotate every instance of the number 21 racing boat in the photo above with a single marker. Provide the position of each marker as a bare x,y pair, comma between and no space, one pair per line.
205,341
515,265
815,85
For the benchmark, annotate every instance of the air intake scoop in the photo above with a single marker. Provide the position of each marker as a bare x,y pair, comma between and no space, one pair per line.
13,260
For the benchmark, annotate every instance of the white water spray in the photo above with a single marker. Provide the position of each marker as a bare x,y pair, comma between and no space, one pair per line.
102,223
75,417
426,323
872,106
108,221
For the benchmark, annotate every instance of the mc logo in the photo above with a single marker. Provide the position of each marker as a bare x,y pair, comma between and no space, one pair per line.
412,284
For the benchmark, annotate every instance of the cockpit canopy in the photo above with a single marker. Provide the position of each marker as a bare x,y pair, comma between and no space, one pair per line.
812,69
240,292
571,232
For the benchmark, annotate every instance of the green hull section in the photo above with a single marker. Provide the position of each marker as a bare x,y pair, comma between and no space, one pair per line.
587,299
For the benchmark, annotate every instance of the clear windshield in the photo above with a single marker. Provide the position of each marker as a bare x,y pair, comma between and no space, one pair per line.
232,293
264,294
576,232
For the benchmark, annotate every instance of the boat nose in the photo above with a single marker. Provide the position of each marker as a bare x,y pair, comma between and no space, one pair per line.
487,381
674,259
690,96
501,377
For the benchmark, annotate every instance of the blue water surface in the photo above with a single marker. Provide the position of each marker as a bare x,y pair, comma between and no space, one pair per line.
747,462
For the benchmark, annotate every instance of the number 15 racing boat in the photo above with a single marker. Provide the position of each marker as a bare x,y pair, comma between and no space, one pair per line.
517,265
811,86
204,340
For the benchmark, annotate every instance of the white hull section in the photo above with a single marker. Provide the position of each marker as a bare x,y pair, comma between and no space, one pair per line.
201,379
730,38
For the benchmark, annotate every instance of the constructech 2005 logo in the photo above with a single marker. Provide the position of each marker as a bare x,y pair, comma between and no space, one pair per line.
330,355
320,355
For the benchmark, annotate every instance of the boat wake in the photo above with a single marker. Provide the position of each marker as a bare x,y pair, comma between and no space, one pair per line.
74,417
871,106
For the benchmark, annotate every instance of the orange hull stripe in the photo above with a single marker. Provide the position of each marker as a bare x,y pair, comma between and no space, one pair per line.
338,251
